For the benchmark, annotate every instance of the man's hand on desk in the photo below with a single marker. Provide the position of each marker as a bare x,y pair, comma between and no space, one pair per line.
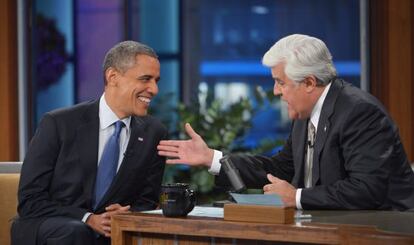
285,190
193,152
101,223
117,209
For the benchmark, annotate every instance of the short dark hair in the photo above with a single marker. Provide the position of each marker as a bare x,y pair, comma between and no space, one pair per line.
122,56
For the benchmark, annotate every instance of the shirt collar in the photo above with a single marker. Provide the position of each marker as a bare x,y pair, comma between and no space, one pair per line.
107,117
316,111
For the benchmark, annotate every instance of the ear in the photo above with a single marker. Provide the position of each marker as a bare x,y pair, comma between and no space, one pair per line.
111,76
310,83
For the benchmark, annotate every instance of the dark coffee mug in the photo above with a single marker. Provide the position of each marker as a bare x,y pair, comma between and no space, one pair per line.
176,199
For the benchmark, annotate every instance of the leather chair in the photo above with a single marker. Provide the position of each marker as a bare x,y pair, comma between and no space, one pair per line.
9,181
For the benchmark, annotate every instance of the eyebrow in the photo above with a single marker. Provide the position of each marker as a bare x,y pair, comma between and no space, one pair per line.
149,77
277,79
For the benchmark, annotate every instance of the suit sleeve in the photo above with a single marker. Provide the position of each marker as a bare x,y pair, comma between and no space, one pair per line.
366,146
253,169
148,198
37,173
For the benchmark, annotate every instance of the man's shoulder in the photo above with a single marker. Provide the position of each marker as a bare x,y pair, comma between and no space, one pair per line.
352,102
353,96
152,123
75,109
72,114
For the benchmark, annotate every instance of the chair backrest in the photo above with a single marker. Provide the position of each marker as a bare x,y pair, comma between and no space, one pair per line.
10,167
9,182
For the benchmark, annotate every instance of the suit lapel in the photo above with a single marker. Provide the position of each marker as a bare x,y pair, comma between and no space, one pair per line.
87,141
324,126
132,158
298,141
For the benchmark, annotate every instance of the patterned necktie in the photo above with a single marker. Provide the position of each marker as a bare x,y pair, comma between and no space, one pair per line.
108,164
309,155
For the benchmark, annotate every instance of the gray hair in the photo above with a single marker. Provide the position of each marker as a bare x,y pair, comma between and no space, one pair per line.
123,55
303,56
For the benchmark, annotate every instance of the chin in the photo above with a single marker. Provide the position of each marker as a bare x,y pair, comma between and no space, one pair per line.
140,112
294,115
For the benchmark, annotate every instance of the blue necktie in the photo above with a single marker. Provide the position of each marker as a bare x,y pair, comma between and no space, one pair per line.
108,164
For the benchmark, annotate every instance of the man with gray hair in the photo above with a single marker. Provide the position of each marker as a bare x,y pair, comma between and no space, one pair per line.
95,159
343,151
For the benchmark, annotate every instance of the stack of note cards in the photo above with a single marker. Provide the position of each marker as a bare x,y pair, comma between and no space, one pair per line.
258,208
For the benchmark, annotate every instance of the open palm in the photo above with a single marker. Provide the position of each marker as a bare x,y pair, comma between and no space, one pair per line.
194,151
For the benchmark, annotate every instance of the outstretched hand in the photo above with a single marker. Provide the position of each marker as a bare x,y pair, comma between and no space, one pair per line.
194,152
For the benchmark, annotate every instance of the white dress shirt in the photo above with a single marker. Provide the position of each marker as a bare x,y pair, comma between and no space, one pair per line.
316,113
107,119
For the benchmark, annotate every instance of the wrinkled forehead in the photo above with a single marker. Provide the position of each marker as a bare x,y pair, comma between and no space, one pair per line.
139,60
278,71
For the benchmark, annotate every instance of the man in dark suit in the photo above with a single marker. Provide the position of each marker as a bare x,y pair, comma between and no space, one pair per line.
61,196
343,152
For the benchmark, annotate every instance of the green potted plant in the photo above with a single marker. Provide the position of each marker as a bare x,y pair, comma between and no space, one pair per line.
222,128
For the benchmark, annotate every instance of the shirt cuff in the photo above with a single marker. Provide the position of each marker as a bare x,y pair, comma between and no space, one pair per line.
298,195
85,217
215,164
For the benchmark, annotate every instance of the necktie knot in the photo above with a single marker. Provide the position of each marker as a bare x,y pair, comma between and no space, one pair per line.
118,127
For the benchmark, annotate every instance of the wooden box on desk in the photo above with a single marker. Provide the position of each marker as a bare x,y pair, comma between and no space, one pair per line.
258,213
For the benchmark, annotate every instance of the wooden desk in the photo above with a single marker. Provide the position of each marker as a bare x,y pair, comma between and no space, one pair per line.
326,227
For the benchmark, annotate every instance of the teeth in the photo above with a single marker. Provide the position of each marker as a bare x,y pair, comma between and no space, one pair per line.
144,99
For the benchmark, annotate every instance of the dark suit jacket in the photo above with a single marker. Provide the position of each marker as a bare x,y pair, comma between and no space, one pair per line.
358,163
59,171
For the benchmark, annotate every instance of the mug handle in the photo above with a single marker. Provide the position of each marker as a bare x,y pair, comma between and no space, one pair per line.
191,197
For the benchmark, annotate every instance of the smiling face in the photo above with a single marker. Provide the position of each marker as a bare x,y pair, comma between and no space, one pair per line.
299,97
129,93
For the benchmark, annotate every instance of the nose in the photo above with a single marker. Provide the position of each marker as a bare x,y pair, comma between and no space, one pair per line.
153,87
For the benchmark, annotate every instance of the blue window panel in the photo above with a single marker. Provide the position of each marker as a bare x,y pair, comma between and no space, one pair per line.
166,101
348,68
170,76
230,68
254,68
94,39
158,25
61,93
